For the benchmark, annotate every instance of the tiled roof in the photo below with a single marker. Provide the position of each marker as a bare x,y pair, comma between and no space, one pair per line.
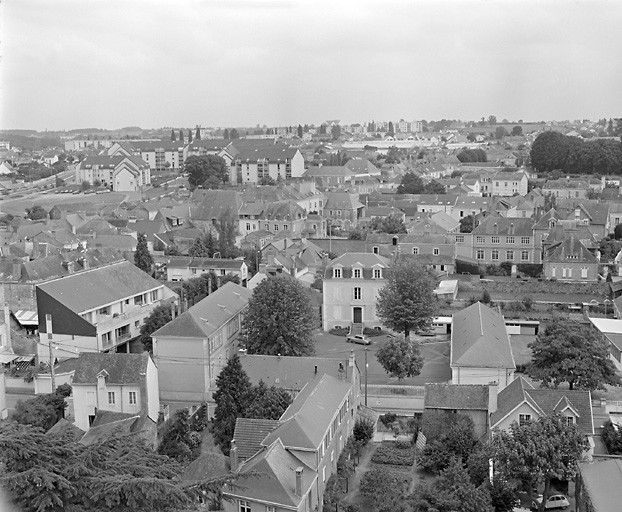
457,396
545,401
121,368
249,433
305,421
208,315
100,286
479,339
288,372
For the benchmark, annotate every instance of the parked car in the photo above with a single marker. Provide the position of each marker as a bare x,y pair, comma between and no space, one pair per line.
358,338
555,501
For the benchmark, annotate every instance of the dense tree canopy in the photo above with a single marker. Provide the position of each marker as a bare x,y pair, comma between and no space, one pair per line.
400,357
467,224
267,402
407,302
36,212
210,171
391,224
159,317
203,246
50,473
410,184
42,411
279,319
472,155
573,353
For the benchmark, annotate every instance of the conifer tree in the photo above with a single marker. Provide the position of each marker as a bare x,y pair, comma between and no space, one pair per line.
142,257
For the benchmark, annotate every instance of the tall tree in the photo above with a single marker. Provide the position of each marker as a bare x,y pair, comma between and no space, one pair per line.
36,212
189,135
391,224
573,353
202,247
50,473
407,302
400,357
267,402
142,257
539,452
232,396
279,319
176,439
181,136
517,131
233,134
173,136
434,187
410,184
227,228
159,317
467,224
197,134
226,134
335,131
299,132
549,151
209,169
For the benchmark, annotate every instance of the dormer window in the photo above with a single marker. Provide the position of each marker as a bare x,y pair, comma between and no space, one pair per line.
356,273
415,250
377,273
337,273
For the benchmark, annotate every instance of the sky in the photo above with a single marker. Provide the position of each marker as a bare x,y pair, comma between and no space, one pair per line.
68,64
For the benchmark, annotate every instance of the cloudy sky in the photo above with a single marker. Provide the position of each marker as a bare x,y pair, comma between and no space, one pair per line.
151,63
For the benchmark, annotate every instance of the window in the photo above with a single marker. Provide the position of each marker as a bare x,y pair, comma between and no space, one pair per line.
524,256
270,508
553,272
435,251
459,239
525,240
132,397
480,254
337,272
376,250
356,273
110,397
567,272
357,293
509,240
509,255
495,239
523,419
276,227
584,273
244,506
495,254
415,250
323,476
248,226
377,273
480,239
569,420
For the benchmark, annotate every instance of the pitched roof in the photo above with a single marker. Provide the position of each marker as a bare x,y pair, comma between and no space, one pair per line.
545,402
457,396
249,433
208,315
255,149
215,263
571,250
290,372
363,259
62,426
53,266
120,368
479,339
342,201
495,225
100,286
306,420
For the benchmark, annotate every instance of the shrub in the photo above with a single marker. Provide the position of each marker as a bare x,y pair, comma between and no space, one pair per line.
612,438
339,331
395,456
527,302
404,441
64,390
486,297
363,430
530,269
507,267
388,418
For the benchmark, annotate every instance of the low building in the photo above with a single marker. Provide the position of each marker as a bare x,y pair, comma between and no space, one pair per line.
181,268
121,173
191,350
480,350
570,260
509,184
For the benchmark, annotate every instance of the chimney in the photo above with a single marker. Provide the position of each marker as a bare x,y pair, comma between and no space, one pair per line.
315,371
299,481
233,456
17,269
84,261
7,321
68,266
172,311
492,397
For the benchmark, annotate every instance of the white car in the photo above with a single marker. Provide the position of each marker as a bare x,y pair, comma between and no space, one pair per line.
358,338
554,501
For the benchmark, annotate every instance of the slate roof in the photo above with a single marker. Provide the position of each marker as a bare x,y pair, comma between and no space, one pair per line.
361,166
254,149
339,246
50,267
214,203
457,396
504,226
479,339
504,175
100,286
208,465
121,368
306,420
208,315
543,222
341,201
366,261
545,402
288,372
566,184
571,250
249,433
328,171
208,144
214,263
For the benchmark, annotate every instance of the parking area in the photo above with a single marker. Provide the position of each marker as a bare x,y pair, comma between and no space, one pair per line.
434,349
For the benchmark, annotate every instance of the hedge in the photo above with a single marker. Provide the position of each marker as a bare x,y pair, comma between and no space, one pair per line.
394,456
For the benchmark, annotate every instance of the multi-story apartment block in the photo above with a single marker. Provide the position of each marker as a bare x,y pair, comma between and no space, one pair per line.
253,161
204,147
121,173
96,310
509,184
159,155
181,268
500,239
277,217
191,350
296,458
351,286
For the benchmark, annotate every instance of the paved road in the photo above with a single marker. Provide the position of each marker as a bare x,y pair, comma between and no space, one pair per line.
435,353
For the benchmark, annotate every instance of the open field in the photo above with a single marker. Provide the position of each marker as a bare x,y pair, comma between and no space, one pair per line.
17,206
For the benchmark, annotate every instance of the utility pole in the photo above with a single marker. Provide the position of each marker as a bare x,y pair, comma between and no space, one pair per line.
48,329
365,376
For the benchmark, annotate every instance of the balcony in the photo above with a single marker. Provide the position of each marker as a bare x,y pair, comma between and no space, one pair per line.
109,322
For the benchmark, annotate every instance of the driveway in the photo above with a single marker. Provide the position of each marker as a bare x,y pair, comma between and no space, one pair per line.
435,352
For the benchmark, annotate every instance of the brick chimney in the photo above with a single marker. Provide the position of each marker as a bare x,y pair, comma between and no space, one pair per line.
299,481
69,266
233,456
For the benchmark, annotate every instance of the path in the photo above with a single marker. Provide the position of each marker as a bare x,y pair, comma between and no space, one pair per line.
363,466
